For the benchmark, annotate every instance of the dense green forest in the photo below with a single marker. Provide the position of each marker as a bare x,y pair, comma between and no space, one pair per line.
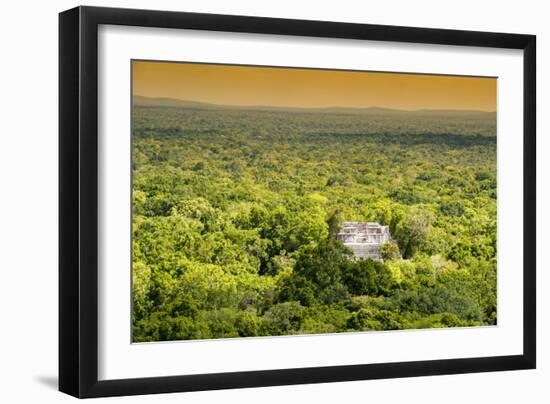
235,214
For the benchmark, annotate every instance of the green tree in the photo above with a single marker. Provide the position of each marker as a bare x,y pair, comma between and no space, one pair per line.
390,251
412,230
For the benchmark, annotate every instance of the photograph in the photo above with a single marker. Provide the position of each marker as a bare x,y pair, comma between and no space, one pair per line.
270,203
278,201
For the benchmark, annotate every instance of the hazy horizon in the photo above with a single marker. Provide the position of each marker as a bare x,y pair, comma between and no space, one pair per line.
307,107
277,87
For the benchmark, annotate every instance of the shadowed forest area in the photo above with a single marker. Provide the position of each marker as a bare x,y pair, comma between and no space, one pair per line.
235,213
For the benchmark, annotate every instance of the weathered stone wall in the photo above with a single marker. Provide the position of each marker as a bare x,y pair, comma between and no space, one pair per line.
364,238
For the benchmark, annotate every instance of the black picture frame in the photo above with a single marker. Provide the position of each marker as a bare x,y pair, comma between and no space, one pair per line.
78,201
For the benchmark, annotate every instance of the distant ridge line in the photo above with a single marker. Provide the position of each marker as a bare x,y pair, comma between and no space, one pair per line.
142,101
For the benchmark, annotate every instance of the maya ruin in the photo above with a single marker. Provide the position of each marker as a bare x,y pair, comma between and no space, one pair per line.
365,238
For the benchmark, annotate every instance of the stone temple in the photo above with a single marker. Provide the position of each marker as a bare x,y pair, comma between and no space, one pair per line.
364,238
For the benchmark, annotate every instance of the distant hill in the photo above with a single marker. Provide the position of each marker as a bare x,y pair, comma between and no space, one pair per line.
378,111
138,100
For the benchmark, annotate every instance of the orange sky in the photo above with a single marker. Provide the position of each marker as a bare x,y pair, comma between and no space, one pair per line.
245,85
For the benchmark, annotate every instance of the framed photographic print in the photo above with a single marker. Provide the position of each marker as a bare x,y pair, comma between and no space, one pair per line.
251,201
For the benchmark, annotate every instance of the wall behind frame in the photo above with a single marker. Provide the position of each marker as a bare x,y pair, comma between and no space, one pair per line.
28,171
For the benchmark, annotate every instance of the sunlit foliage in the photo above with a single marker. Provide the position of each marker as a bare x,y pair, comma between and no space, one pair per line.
235,213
